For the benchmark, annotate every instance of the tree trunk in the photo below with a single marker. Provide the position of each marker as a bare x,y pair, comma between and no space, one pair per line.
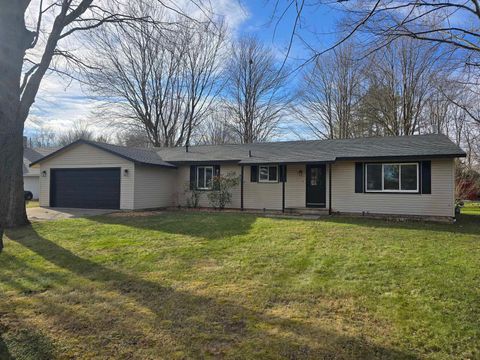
14,40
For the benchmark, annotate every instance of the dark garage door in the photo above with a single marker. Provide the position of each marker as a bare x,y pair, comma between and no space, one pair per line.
97,188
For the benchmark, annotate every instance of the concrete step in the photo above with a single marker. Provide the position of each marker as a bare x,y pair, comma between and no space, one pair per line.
306,211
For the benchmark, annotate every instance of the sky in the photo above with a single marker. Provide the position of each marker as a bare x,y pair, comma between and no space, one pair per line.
62,102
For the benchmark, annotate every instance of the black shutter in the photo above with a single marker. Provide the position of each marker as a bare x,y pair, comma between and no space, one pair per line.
359,177
193,176
254,173
216,172
426,177
283,173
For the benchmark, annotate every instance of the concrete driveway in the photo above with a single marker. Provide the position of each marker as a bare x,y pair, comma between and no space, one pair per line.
45,214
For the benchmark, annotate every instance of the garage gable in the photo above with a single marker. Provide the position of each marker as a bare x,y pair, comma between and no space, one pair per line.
82,159
83,154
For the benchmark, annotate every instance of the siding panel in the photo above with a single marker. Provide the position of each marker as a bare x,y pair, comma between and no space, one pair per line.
87,156
439,203
154,187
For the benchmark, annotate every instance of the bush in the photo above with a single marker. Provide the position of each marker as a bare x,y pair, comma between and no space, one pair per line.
192,196
221,194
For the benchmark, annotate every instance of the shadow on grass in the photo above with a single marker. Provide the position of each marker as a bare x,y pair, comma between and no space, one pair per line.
201,224
216,225
4,352
201,323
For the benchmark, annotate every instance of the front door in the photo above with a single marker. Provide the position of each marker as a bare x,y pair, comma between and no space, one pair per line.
316,185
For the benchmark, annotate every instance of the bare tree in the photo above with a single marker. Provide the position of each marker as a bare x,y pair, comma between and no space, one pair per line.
43,137
216,130
79,131
159,80
26,56
400,78
329,94
255,93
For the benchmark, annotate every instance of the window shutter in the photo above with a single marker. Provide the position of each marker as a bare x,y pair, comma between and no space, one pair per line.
216,172
359,188
426,177
193,176
283,173
254,173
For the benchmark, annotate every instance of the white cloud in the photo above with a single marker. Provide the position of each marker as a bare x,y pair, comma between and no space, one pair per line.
61,102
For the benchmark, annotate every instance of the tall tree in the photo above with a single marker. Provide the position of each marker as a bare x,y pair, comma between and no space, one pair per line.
25,57
255,93
158,80
329,94
400,78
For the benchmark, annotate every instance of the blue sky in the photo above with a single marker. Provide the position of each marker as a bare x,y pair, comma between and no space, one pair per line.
316,26
61,103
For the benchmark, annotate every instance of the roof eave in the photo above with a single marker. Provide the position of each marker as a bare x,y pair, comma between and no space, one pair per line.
400,157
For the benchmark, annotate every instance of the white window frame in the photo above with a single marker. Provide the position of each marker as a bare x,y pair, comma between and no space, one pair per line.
268,167
383,190
204,169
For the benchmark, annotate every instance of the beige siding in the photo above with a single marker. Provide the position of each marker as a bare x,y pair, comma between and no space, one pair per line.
154,187
183,181
256,195
439,203
87,156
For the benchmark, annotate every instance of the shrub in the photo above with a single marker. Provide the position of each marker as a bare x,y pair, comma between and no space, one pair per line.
192,196
221,194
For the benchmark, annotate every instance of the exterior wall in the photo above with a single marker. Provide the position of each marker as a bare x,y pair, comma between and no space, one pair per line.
256,195
31,183
439,203
154,187
183,181
87,156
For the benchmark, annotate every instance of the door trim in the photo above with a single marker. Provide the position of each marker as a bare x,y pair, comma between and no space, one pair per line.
51,183
315,205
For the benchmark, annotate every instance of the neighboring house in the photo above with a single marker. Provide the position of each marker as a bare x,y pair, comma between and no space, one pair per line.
411,175
31,174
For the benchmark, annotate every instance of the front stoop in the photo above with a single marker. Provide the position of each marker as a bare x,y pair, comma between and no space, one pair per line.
306,211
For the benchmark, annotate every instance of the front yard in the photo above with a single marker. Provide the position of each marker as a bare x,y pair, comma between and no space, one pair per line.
226,285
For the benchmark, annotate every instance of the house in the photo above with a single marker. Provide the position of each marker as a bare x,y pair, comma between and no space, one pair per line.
31,175
405,175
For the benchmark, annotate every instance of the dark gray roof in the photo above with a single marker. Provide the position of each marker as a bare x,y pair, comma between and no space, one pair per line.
33,154
400,147
138,155
319,150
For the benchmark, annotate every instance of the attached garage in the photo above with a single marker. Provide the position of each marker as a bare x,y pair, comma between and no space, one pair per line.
92,175
94,188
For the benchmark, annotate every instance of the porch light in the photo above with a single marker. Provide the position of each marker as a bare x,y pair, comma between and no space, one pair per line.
125,172
44,173
300,172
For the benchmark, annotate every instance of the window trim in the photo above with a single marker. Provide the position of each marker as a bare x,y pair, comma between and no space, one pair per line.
399,191
204,167
268,167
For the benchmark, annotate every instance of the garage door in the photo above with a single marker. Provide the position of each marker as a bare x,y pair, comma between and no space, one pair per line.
97,188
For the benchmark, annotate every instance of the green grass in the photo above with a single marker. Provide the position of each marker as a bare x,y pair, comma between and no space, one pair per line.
471,208
199,285
32,204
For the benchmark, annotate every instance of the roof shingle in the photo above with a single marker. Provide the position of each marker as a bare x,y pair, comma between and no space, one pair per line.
415,146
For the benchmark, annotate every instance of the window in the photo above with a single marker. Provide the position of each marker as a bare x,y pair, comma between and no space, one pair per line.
204,177
391,177
268,173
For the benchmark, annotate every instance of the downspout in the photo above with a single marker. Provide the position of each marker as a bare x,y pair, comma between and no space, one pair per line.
330,189
284,167
241,188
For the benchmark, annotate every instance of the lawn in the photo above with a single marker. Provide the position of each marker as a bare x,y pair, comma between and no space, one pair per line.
225,285
471,208
32,204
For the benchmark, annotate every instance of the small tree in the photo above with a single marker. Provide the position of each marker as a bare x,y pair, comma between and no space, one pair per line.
221,194
192,195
